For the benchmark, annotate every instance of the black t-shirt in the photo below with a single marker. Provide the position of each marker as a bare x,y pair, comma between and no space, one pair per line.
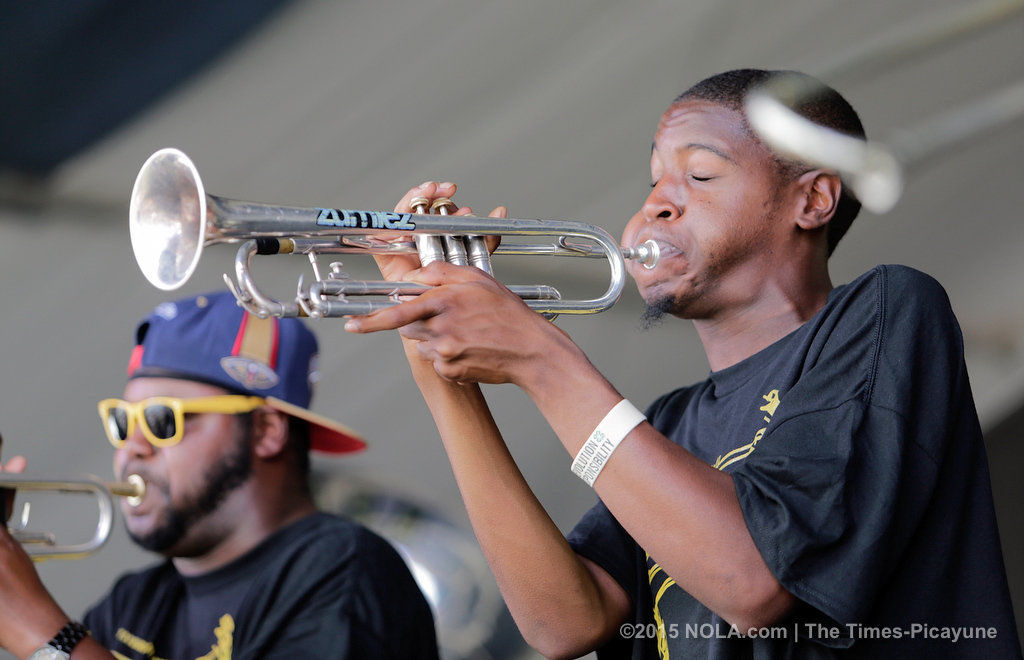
323,587
858,461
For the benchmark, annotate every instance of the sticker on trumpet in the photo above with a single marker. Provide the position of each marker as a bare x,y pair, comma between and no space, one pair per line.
364,219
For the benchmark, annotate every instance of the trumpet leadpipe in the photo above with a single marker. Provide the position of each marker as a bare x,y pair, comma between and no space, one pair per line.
645,253
132,487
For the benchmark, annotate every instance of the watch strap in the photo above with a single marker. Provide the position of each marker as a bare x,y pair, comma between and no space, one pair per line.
68,637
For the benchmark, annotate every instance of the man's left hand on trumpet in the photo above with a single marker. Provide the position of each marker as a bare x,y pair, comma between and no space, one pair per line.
470,327
28,614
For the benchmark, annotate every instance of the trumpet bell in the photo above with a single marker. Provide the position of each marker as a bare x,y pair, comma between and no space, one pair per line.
167,218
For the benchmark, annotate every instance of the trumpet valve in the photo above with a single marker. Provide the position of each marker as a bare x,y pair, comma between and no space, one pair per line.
430,248
419,205
443,206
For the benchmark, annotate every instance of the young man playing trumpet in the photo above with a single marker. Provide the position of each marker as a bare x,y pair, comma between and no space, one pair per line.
826,485
214,418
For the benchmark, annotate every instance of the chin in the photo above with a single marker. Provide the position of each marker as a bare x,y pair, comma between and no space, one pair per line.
140,533
659,294
154,532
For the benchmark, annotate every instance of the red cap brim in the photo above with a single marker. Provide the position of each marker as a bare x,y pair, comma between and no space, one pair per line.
325,435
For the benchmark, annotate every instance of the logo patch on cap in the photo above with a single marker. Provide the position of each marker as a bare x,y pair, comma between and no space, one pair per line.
167,311
250,374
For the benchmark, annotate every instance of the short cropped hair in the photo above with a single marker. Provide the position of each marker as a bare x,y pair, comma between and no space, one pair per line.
822,105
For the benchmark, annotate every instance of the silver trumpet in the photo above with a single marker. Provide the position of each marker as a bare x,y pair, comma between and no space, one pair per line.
172,218
44,545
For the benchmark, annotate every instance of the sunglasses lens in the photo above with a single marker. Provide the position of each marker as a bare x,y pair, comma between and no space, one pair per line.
160,420
117,423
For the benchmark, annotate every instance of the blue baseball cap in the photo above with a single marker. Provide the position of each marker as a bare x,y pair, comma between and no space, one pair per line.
209,338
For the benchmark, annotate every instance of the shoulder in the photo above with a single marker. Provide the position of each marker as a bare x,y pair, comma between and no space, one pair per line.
360,571
331,540
337,558
891,286
330,529
894,328
913,307
327,580
890,307
907,279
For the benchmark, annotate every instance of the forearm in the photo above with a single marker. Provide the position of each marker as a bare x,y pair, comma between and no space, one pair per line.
29,616
701,540
556,600
46,621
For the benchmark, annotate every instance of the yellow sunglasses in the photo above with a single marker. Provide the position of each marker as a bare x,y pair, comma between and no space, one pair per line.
162,418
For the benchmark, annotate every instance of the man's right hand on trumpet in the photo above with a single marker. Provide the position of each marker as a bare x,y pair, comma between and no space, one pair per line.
441,324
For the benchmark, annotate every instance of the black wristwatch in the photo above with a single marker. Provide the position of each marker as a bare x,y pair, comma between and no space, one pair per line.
59,648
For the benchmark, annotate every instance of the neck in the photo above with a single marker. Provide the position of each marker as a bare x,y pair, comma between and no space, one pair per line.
779,306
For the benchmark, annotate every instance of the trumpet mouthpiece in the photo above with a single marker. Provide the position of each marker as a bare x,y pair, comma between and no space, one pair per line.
134,491
646,253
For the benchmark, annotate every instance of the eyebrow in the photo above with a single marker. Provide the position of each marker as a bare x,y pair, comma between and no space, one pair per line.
715,150
707,147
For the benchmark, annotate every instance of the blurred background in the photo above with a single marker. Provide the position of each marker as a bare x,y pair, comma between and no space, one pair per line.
548,108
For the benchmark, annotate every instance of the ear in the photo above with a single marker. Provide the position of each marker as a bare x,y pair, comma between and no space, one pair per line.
270,432
819,192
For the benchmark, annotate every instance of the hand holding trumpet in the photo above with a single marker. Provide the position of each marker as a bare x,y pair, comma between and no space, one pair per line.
28,614
470,327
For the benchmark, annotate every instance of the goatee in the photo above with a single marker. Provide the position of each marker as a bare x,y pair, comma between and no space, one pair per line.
655,312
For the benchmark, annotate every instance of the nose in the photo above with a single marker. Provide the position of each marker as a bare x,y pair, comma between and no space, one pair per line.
136,445
659,207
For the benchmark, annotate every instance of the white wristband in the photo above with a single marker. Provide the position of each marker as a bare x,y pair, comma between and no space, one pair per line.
594,453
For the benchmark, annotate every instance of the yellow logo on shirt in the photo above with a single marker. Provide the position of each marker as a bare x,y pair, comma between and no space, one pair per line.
223,633
738,454
225,640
